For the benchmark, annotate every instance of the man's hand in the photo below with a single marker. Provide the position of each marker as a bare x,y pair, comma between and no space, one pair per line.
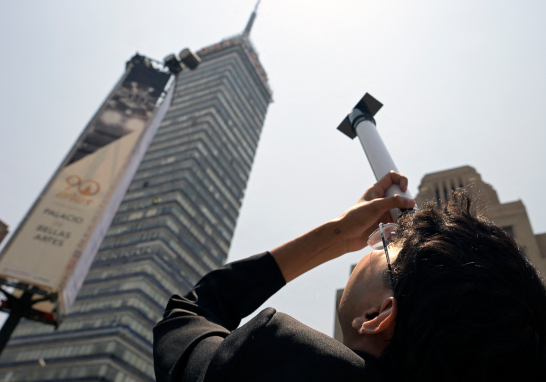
359,221
347,233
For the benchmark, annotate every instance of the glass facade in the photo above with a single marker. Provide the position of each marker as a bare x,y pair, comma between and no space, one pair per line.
174,225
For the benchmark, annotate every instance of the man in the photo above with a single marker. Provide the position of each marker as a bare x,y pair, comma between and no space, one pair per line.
458,301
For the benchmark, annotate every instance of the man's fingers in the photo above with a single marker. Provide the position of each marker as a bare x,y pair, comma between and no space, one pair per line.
395,201
393,178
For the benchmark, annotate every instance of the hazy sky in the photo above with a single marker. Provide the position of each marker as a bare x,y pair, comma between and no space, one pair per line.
463,83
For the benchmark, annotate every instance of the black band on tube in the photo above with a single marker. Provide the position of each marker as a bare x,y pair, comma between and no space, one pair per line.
358,116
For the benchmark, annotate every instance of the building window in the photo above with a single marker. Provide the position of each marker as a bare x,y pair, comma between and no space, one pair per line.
509,230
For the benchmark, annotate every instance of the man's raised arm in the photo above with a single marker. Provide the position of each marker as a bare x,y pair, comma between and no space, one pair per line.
195,328
347,233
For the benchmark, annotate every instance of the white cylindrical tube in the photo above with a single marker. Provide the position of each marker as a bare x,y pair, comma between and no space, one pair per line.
379,158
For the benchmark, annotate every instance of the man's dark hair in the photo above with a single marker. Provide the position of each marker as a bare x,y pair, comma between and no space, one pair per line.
471,307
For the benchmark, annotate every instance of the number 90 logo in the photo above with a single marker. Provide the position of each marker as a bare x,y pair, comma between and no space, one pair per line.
87,187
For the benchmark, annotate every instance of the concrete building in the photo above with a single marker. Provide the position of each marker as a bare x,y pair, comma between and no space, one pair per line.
511,216
3,230
174,224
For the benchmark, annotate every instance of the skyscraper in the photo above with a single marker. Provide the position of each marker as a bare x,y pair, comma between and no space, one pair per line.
174,224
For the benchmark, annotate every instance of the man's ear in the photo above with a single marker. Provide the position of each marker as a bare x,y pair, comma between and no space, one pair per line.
385,319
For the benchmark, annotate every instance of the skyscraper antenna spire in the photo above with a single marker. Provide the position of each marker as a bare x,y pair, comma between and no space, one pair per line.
246,33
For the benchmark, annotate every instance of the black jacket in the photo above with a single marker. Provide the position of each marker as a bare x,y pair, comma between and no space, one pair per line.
197,339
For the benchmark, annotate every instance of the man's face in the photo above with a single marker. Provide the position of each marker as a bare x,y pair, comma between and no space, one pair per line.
365,292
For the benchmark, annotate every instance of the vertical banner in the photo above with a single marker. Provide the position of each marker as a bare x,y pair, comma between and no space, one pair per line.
57,241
